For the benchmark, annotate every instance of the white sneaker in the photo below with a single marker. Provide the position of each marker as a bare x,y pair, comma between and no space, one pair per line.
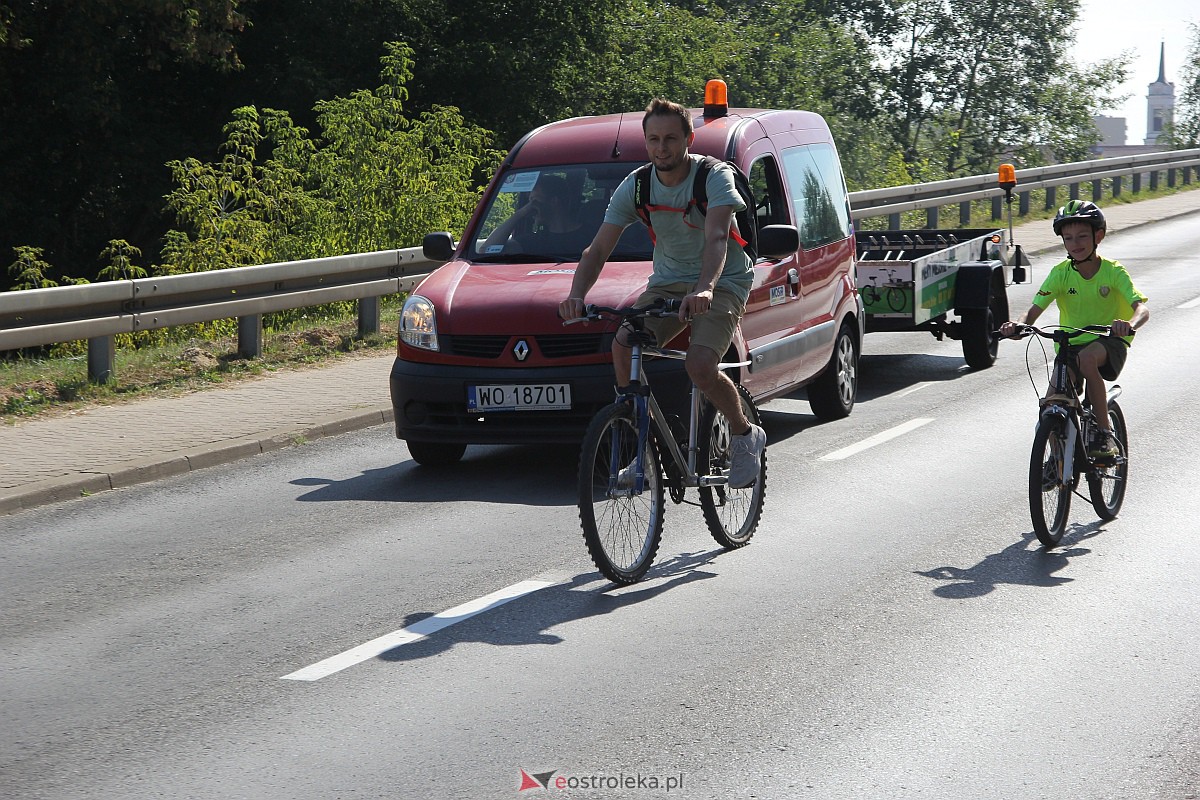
747,452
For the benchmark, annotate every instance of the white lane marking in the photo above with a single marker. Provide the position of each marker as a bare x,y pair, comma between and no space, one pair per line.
879,438
914,388
414,632
1191,303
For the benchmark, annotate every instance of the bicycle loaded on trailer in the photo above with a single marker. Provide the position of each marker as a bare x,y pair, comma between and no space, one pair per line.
1060,454
632,457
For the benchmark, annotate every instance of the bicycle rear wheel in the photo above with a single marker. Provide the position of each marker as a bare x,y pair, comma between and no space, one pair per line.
731,514
621,527
1049,486
1106,483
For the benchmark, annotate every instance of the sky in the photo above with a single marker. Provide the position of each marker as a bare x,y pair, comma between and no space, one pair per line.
1108,27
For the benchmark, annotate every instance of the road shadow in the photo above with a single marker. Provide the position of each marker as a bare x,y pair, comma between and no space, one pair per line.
878,377
527,620
533,475
1023,563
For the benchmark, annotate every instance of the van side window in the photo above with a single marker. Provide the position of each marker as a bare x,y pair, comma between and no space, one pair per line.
818,190
771,206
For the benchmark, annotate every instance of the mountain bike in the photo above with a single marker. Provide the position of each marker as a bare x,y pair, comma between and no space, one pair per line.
632,456
1060,458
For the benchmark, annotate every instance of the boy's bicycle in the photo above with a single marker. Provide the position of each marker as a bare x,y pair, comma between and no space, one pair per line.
632,457
1060,454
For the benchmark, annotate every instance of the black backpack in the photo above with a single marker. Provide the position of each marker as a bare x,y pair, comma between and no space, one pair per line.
747,218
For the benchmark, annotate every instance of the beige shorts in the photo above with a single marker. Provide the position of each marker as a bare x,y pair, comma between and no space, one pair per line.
713,329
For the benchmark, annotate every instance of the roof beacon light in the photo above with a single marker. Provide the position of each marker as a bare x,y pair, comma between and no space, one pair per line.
716,98
1007,178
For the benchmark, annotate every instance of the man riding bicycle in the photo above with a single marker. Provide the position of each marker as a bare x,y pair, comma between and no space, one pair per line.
1090,290
695,260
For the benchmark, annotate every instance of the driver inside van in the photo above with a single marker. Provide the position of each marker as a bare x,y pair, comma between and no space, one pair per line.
544,224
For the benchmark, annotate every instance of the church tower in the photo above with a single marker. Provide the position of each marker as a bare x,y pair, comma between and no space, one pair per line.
1160,102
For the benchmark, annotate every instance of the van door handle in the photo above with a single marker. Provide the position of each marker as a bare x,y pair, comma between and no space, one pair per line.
794,282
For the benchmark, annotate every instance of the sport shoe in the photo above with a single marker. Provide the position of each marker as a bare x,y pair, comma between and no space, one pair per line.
747,457
1103,445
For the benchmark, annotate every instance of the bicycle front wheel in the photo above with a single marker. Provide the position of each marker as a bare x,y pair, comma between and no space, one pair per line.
622,527
1106,482
1049,486
731,514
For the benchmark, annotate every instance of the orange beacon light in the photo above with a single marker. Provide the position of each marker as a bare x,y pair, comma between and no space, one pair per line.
716,98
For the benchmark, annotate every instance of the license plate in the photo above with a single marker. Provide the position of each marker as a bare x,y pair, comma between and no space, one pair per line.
519,397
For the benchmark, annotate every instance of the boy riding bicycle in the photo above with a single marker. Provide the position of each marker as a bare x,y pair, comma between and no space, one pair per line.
1090,290
696,260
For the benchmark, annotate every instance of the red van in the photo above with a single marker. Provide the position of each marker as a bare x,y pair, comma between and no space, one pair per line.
483,357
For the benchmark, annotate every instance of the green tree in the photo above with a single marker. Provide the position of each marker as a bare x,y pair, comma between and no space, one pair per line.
1183,131
93,95
964,83
119,255
374,179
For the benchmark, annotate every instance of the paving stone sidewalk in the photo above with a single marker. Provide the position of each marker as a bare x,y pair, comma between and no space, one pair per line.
65,457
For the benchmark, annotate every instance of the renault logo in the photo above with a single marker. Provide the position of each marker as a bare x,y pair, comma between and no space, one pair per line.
521,350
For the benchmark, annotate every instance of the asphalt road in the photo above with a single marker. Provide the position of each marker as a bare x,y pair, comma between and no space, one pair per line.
893,631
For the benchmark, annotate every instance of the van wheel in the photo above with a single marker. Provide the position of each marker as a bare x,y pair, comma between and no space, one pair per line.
435,454
831,396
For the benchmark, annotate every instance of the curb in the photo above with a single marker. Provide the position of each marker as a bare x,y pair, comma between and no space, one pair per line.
124,475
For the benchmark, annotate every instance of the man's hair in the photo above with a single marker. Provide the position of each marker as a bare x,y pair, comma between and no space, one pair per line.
662,107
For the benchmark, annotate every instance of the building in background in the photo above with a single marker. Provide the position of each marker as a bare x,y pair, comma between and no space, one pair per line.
1160,110
1160,105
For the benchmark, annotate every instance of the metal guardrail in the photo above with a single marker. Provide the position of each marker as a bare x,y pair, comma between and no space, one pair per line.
895,200
99,311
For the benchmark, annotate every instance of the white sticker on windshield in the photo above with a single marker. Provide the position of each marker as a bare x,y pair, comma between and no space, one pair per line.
520,182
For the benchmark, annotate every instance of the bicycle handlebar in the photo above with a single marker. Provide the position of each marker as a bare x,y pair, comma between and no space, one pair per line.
1059,333
662,307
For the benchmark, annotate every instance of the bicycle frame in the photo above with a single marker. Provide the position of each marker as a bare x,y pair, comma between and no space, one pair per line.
1063,401
647,410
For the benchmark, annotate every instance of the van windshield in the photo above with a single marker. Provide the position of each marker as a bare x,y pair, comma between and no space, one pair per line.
550,214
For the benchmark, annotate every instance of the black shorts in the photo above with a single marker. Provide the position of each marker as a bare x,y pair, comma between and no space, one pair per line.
1115,351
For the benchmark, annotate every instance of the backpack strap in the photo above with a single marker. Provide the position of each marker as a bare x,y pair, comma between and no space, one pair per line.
700,194
641,197
643,207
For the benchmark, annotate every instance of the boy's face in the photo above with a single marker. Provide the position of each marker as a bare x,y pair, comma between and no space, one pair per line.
1080,240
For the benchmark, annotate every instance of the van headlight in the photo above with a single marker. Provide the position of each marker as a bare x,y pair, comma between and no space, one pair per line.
418,323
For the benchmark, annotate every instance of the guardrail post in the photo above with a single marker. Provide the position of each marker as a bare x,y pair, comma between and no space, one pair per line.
1154,181
1187,175
250,336
964,213
1074,191
101,359
368,316
1023,203
894,221
1097,191
1136,181
1050,201
1171,178
997,208
931,217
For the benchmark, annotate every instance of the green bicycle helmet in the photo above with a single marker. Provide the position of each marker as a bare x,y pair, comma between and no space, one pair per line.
1080,211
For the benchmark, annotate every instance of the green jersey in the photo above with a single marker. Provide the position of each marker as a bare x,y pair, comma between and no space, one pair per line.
1106,296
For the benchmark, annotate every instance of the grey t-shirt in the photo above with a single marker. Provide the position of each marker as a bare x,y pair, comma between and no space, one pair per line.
679,240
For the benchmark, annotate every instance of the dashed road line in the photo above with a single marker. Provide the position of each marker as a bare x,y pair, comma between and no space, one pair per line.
415,632
879,438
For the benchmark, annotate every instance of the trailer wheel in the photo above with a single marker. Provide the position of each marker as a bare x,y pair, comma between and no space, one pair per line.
979,341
